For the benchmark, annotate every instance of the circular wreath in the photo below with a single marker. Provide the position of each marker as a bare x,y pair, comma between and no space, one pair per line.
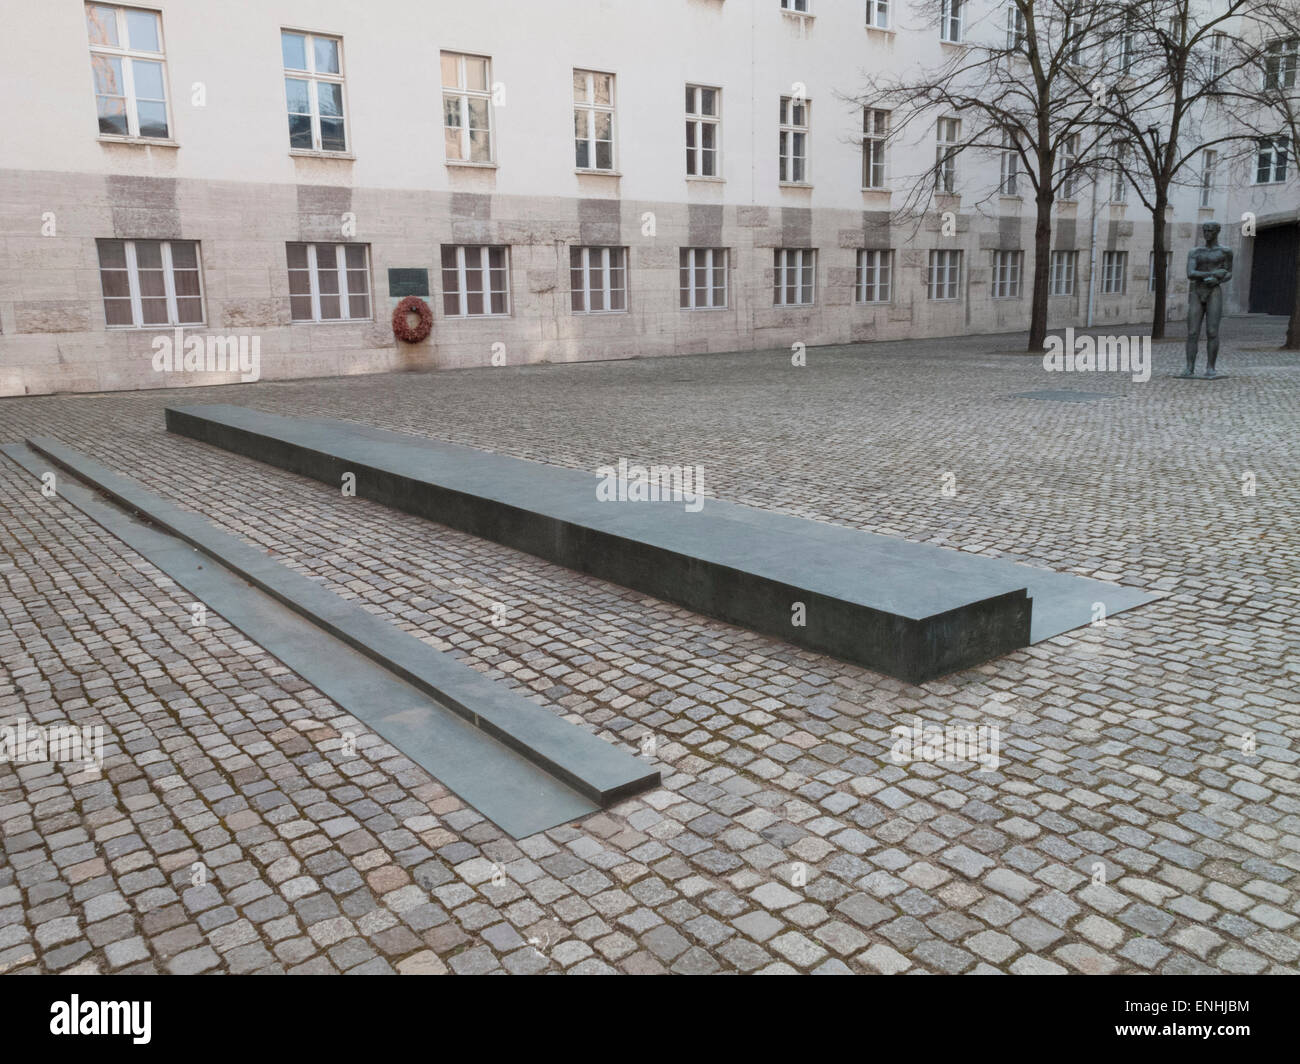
403,329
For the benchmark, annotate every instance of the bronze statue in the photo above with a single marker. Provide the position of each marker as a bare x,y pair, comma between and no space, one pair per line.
1208,267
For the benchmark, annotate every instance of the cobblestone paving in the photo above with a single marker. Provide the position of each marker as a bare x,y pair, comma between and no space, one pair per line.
1162,746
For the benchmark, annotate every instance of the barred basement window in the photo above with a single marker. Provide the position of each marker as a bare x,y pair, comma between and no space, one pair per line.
703,278
313,91
467,107
875,131
793,147
126,58
1062,272
593,120
795,277
1007,267
598,280
702,122
151,282
944,281
475,280
329,282
875,273
1114,272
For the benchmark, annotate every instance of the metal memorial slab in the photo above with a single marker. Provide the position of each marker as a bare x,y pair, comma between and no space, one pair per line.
911,610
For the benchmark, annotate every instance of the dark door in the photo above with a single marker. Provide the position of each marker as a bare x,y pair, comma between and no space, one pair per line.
1272,271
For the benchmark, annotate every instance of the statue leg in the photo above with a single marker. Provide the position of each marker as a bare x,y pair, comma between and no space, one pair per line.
1213,315
1195,312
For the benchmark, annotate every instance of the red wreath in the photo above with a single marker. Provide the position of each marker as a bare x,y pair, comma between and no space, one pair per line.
403,329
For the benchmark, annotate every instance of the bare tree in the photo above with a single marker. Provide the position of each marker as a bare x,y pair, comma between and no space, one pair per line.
1018,89
1160,97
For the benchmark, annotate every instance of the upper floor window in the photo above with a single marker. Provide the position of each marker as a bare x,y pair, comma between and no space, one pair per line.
1075,32
800,6
702,122
875,132
467,107
1270,162
1016,32
593,120
329,282
313,91
878,14
1209,163
793,148
1279,64
1128,42
1067,167
1218,44
151,282
951,13
947,135
126,56
1009,180
1119,177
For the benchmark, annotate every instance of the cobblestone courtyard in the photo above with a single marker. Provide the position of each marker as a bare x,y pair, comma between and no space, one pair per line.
1162,747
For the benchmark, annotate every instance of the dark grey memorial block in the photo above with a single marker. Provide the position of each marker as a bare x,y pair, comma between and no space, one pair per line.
912,610
520,765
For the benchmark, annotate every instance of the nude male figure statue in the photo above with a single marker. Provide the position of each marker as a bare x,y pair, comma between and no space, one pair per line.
1208,267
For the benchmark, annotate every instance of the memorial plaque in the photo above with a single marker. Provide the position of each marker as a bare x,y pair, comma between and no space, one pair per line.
408,282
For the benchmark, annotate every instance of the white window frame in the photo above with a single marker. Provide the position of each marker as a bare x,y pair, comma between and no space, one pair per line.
588,109
798,7
1008,270
708,260
1009,166
1280,64
1114,273
943,277
603,270
696,121
1217,41
952,17
874,282
1272,157
799,265
1127,42
1069,178
1118,180
791,129
875,133
341,268
169,287
1151,271
462,293
878,14
462,93
128,57
1061,275
1017,31
1209,164
947,135
314,79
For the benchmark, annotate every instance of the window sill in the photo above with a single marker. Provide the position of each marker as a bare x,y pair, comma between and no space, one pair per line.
312,153
333,321
1011,196
706,179
795,184
471,165
154,328
701,310
878,190
157,142
597,173
872,303
475,317
887,30
802,16
597,313
954,44
793,306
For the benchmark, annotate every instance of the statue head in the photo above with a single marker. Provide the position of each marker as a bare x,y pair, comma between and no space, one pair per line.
1210,230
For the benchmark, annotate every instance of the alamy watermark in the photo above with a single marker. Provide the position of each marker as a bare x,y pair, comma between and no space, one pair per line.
660,483
25,744
949,744
1100,354
239,353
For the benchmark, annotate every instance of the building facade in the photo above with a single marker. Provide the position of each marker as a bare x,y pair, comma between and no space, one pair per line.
591,179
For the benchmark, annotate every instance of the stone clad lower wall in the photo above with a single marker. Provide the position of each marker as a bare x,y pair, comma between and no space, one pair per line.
52,326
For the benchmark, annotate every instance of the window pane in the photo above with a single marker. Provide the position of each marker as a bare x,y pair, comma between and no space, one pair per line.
604,86
142,30
329,96
297,96
153,119
708,101
154,311
184,255
148,254
293,46
450,71
354,256
329,308
101,20
300,131
451,116
112,116
117,312
579,86
300,308
331,135
108,75
297,254
480,146
476,74
189,311
117,283
604,155
327,55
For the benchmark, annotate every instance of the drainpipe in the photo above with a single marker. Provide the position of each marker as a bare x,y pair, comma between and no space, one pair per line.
1092,255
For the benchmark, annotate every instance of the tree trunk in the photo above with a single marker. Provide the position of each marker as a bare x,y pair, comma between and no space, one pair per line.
1159,314
1042,267
1292,341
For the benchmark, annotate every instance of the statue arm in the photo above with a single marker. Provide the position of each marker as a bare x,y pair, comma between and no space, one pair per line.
1193,274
